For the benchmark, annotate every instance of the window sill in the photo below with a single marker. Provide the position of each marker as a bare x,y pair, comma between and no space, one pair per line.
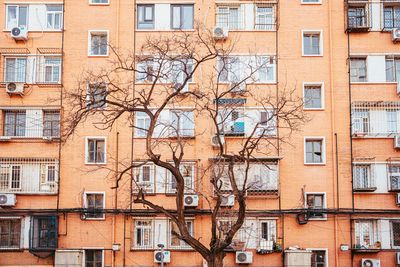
373,83
313,109
94,163
5,250
164,30
94,219
37,31
318,219
99,4
98,56
315,164
320,55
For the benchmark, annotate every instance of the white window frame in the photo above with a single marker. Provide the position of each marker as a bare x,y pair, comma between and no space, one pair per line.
8,28
315,2
87,138
374,231
92,3
53,66
180,125
321,42
325,215
6,58
134,246
22,232
361,57
153,175
94,32
137,133
321,138
93,248
170,190
259,229
56,173
85,203
326,254
321,84
182,245
53,13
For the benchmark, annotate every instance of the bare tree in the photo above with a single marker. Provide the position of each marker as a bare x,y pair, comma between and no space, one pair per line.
157,78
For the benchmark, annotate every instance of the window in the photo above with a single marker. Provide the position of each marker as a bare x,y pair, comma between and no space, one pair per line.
17,16
391,17
174,240
95,150
143,234
93,258
99,1
182,17
94,203
142,124
15,69
392,69
365,234
187,171
97,95
44,233
229,17
391,117
98,43
145,71
313,96
265,17
145,17
52,70
50,175
231,122
318,258
15,123
357,17
54,17
312,43
51,123
395,233
394,177
311,1
10,177
267,123
144,178
262,178
246,69
358,69
10,233
314,150
361,121
315,202
182,123
363,177
267,229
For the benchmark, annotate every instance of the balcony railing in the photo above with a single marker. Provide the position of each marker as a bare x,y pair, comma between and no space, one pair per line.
375,119
358,16
28,175
31,124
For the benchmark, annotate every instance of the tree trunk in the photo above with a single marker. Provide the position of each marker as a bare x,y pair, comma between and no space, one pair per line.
216,260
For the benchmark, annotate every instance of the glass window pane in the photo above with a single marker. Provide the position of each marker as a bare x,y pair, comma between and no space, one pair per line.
23,16
11,17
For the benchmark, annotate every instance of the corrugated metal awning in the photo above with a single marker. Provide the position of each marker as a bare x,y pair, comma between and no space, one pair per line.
14,51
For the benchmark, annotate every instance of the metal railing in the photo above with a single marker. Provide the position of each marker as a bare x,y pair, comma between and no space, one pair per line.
375,119
358,16
29,175
364,178
31,123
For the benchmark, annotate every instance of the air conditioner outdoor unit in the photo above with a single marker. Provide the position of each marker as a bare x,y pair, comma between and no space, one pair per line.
191,200
8,199
164,256
220,33
5,138
398,258
228,201
397,198
214,141
397,141
370,263
396,35
244,257
15,88
19,33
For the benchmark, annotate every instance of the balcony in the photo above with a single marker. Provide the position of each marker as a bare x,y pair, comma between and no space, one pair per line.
28,175
43,235
358,16
375,119
32,123
366,238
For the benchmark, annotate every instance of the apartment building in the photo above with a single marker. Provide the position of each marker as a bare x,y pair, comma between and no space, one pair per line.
325,197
